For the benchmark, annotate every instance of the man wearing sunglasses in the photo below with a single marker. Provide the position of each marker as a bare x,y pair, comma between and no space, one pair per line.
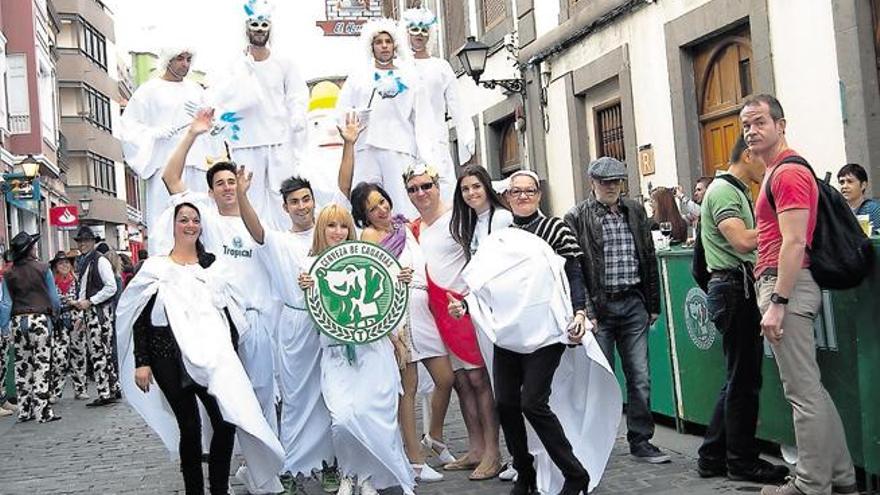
154,122
390,99
622,279
267,92
441,90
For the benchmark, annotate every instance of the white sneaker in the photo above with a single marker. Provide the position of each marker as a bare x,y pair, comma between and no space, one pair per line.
367,487
509,474
346,486
5,412
426,473
9,406
439,449
53,400
82,396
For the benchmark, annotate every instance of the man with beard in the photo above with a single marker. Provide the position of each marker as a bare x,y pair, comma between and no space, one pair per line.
441,91
390,100
153,123
268,94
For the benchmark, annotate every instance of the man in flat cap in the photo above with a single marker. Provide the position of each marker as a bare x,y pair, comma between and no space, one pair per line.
97,286
621,273
29,298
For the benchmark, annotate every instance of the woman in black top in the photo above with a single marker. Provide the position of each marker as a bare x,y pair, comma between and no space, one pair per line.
158,359
523,381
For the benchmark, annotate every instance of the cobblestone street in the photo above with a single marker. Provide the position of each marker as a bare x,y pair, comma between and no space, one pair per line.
111,451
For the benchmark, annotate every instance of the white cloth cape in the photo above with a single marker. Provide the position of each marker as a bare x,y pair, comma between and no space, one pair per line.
192,301
527,316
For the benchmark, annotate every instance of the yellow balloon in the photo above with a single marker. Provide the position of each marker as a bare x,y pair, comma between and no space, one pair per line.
323,96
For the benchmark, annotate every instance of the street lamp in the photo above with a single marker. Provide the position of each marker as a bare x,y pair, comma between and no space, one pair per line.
473,55
85,204
30,168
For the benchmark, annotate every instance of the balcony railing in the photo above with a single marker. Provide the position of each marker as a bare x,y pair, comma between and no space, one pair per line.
20,124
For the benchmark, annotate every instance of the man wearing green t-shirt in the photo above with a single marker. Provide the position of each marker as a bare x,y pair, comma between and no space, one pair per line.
729,239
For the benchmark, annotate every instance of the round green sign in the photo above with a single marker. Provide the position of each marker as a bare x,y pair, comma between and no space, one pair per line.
357,298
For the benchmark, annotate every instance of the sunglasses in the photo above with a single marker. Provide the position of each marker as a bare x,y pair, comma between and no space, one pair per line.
423,187
417,30
259,25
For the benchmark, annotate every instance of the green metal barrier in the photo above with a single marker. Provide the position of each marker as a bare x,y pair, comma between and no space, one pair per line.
847,349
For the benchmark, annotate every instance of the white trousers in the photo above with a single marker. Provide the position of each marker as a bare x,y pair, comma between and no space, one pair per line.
270,165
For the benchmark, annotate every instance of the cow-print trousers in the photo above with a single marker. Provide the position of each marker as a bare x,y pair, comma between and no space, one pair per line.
69,354
33,348
99,321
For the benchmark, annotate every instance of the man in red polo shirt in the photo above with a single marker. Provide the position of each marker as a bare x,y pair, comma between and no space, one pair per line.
790,299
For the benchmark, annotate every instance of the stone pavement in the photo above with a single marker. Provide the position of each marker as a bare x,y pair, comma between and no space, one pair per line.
111,451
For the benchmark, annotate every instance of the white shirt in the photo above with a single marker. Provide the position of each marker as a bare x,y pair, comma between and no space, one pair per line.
285,256
441,90
270,97
400,123
157,106
444,257
500,219
105,269
231,241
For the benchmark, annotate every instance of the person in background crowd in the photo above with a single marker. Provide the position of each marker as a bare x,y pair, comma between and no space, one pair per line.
97,286
622,280
665,210
29,300
853,181
729,239
7,408
690,207
127,269
142,257
116,264
790,299
69,338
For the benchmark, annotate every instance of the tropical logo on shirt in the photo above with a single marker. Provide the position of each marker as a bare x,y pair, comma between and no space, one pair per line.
237,249
696,317
357,298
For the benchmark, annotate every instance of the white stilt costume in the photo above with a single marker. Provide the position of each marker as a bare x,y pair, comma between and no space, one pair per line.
398,132
305,420
154,121
270,97
520,305
193,302
441,90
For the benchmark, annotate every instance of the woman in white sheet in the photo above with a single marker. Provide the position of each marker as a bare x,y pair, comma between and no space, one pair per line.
176,325
361,387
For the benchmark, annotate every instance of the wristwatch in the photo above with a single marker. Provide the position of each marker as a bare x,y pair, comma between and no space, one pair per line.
777,299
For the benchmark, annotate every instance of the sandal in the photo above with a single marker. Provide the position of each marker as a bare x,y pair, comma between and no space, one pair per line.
439,449
480,475
462,464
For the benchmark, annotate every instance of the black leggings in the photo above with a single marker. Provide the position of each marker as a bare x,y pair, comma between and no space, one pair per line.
522,388
168,375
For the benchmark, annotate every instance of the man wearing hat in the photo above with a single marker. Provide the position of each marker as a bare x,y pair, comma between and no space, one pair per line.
29,298
97,286
621,273
69,341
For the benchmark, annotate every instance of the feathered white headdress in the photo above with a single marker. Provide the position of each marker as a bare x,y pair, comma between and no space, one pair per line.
384,25
260,10
423,18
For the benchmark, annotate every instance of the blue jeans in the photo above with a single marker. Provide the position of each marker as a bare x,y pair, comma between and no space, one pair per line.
730,438
624,322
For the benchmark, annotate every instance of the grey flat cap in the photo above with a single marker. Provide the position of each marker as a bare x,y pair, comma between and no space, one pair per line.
607,168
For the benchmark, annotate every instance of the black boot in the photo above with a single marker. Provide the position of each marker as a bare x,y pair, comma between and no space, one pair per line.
575,486
526,482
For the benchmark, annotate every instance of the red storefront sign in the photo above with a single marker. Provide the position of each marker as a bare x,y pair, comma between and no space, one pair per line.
64,217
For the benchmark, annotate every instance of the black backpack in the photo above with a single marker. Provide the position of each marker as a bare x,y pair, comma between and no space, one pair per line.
699,268
841,254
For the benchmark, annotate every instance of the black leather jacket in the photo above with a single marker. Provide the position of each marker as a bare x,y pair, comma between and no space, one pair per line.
583,219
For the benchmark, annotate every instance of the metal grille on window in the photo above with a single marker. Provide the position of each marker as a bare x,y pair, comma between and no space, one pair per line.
609,130
494,11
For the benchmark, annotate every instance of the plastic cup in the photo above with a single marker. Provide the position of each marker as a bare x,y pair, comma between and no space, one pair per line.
865,223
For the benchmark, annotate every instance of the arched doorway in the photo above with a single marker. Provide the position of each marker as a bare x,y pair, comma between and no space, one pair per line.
723,73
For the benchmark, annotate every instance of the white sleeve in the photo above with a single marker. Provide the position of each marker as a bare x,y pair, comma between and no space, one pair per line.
138,135
109,280
283,266
464,126
296,95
